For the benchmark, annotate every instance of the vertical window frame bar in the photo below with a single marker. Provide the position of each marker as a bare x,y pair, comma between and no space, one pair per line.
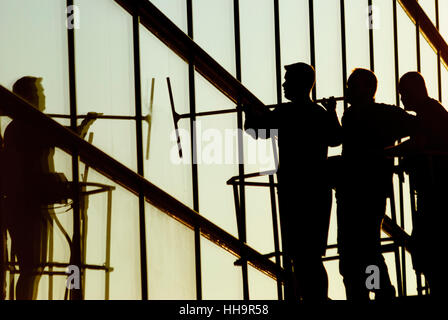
76,255
140,157
194,166
241,171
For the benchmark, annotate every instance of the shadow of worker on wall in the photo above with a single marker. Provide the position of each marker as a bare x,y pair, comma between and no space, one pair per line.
29,187
305,131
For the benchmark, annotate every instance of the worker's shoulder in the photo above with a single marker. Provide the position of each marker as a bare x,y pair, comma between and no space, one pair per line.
435,105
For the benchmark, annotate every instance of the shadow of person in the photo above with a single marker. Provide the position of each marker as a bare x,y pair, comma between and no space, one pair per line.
27,159
30,186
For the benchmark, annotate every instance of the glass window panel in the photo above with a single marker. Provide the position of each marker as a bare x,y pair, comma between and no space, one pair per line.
336,288
125,279
214,30
429,6
411,278
389,257
34,43
429,68
259,154
171,257
104,59
443,7
357,34
208,98
163,166
407,47
116,138
383,38
444,86
261,286
260,233
332,229
175,10
217,141
294,32
258,49
329,80
217,156
221,280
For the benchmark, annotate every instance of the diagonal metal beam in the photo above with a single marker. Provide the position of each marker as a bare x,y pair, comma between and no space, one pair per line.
427,28
179,42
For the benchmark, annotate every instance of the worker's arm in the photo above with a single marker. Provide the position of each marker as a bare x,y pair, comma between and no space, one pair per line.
334,129
259,119
84,127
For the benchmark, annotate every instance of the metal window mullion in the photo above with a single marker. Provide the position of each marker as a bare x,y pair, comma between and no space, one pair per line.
439,64
417,40
344,50
140,161
312,41
401,182
419,69
242,190
194,166
278,72
76,255
371,44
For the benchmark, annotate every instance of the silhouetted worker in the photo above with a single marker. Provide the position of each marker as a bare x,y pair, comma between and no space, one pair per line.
305,131
30,186
366,181
426,154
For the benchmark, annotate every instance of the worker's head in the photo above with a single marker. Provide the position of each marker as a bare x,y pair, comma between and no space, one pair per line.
361,87
413,90
31,89
299,80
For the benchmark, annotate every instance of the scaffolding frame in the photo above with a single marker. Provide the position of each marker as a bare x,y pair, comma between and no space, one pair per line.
61,267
